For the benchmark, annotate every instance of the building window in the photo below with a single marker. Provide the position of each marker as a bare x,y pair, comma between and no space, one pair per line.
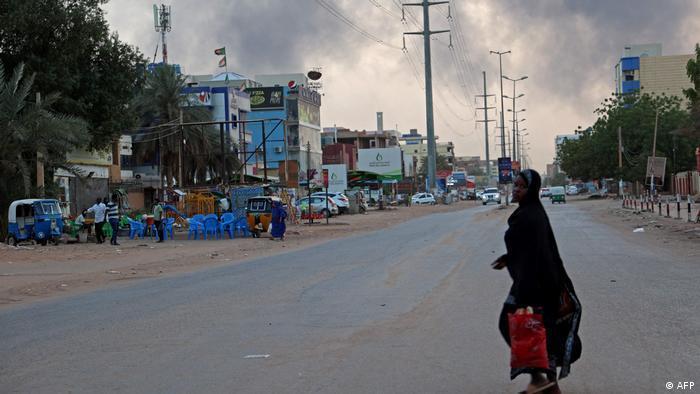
372,143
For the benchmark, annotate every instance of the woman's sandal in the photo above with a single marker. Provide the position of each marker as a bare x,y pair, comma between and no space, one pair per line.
532,389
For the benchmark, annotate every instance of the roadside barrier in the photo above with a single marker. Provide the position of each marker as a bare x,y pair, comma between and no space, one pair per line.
668,210
659,208
678,209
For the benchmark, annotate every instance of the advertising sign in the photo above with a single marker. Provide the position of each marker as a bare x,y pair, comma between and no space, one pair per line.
266,98
381,161
656,167
504,170
337,177
309,114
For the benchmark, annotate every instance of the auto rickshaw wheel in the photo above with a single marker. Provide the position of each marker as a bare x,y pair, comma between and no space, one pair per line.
43,242
11,240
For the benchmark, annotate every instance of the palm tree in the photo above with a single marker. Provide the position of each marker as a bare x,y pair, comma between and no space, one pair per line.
31,130
160,104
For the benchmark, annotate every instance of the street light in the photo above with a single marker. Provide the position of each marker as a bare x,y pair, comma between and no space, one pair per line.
515,129
503,129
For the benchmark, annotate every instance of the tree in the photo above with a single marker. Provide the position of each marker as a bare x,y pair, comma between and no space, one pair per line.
594,154
159,104
30,128
693,95
441,164
67,44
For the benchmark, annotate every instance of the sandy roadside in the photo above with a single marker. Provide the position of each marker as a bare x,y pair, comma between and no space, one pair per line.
676,237
34,272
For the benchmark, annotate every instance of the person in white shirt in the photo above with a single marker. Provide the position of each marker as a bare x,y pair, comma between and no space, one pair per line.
99,209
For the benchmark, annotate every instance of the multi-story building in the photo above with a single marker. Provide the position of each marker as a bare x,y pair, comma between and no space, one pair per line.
223,94
644,68
415,146
285,98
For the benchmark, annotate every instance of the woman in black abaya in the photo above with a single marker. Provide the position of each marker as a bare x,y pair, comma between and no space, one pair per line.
539,281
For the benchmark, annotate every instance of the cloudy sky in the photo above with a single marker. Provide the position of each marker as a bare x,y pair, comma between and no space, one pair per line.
567,49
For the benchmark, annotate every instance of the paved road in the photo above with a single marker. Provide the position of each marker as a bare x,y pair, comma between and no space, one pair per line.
411,309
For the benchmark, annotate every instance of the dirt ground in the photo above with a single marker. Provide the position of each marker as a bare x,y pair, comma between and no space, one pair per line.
677,237
30,273
33,272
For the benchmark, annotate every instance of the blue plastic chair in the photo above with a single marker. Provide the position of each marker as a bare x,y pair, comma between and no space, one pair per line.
195,228
211,227
135,228
169,228
227,224
241,226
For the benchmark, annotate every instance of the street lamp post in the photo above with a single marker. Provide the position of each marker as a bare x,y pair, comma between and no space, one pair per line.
514,148
516,131
503,131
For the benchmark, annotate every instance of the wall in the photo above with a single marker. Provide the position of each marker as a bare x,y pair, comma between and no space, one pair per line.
665,74
84,192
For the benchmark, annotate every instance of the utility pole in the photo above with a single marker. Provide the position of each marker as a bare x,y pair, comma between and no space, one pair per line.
308,178
430,127
162,22
486,127
39,161
653,153
180,180
224,178
503,123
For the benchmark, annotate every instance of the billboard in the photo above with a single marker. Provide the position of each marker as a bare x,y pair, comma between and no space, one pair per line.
381,161
266,98
337,177
504,170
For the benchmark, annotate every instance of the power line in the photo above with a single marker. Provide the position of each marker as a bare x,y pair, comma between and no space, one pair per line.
384,9
335,12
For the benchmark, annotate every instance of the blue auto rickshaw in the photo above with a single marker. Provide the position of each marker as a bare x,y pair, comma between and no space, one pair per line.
40,220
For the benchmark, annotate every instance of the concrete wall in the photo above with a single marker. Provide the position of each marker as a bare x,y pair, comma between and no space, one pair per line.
84,192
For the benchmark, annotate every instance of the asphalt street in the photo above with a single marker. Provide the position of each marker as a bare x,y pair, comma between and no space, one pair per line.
409,309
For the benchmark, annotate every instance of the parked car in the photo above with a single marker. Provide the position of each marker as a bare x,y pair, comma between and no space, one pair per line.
572,190
318,205
423,198
478,194
558,194
340,199
491,194
545,192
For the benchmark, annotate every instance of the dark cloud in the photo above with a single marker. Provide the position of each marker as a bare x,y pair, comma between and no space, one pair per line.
567,48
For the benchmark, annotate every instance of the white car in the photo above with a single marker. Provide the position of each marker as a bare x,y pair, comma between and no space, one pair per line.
318,205
423,198
491,194
572,190
339,198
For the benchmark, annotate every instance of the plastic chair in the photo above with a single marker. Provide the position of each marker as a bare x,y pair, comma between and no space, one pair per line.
211,227
194,227
169,228
227,224
135,228
212,215
242,227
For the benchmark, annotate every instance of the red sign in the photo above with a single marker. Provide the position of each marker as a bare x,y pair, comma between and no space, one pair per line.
442,174
325,178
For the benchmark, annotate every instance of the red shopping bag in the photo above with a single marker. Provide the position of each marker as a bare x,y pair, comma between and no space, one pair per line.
528,340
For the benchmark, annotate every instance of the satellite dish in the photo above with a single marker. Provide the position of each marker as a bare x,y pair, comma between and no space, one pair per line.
314,75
